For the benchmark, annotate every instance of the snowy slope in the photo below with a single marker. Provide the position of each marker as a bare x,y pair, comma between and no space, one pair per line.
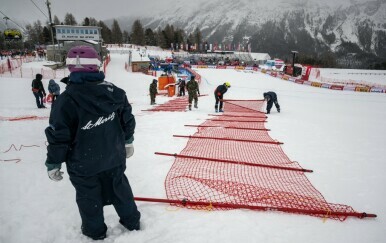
338,134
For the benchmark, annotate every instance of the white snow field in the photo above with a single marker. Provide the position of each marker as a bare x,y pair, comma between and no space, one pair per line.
341,135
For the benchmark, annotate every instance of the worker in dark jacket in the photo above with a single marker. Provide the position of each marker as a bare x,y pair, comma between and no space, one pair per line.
38,90
181,87
153,91
193,91
218,95
271,98
91,129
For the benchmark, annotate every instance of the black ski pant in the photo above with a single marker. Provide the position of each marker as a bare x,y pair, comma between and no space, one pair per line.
270,104
39,98
218,100
105,188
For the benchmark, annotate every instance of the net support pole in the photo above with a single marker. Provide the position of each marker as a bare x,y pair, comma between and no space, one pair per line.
240,128
239,116
229,139
186,202
235,120
234,162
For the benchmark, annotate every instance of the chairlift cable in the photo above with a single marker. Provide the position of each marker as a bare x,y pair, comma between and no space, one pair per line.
39,9
8,18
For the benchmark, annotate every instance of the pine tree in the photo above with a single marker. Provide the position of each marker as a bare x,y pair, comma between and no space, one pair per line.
69,19
105,32
86,22
126,37
137,34
150,38
56,20
116,33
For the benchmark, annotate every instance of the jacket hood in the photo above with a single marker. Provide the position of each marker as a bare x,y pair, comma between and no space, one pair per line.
99,98
51,82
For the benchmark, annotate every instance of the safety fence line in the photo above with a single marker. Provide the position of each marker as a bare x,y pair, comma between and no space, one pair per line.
227,166
23,118
346,87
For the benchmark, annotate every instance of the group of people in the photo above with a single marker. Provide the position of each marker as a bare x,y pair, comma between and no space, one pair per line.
40,93
193,90
91,108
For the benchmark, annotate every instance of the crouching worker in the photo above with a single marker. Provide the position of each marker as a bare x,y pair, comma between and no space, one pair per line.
219,95
271,98
91,129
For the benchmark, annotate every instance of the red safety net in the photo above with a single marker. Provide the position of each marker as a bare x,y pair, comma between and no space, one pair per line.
178,104
231,159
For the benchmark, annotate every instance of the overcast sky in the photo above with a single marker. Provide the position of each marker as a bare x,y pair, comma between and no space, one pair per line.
25,11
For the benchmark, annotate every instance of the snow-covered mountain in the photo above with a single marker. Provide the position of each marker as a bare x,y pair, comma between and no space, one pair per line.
274,26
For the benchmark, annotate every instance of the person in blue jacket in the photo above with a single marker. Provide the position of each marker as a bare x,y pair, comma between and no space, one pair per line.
91,128
271,98
54,89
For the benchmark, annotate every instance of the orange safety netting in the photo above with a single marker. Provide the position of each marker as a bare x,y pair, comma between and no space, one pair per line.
178,104
231,159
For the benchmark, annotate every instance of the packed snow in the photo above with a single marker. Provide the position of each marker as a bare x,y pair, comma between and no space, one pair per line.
341,135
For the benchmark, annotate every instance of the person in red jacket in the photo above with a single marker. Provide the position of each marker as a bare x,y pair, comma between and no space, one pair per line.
218,95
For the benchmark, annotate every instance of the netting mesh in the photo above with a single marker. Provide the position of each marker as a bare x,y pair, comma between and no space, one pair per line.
196,179
178,104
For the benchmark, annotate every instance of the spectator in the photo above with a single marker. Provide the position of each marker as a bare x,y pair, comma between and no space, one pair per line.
38,90
91,129
54,89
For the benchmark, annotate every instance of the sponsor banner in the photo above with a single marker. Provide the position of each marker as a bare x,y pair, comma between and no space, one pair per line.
349,88
212,66
202,66
273,74
336,87
264,71
255,69
377,90
240,67
299,81
362,89
326,86
292,79
316,84
307,83
221,67
230,67
286,77
249,68
194,66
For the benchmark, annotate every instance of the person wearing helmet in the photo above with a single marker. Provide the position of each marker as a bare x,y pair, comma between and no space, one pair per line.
91,128
153,91
193,91
218,95
271,98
